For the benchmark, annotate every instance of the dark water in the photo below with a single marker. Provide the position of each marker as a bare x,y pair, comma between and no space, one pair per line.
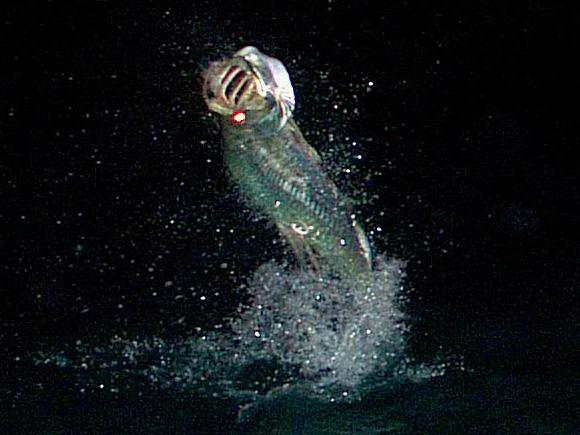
489,402
139,295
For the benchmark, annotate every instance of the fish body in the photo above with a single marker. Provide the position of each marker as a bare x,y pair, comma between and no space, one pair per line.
277,171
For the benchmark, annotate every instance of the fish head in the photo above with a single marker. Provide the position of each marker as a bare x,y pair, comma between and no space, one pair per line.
253,84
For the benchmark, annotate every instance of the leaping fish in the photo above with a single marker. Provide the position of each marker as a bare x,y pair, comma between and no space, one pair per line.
277,171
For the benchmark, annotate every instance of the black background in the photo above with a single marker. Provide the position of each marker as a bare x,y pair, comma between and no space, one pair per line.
474,132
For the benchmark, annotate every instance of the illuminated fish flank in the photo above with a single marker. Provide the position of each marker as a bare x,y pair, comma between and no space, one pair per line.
278,172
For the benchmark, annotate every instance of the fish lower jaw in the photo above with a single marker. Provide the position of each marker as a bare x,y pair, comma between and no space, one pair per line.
220,108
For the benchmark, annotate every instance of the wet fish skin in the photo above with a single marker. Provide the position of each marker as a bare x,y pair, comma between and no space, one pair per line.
277,171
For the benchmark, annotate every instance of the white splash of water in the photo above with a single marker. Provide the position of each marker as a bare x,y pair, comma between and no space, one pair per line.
333,332
297,330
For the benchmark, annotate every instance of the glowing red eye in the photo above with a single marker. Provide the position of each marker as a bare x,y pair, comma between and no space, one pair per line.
238,117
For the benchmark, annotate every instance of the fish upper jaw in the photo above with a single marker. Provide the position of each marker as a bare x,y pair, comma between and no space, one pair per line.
271,73
274,80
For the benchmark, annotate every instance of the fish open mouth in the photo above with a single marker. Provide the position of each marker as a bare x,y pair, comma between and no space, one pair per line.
250,82
229,86
235,84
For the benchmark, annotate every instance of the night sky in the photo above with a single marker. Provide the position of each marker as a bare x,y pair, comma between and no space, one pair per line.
118,217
